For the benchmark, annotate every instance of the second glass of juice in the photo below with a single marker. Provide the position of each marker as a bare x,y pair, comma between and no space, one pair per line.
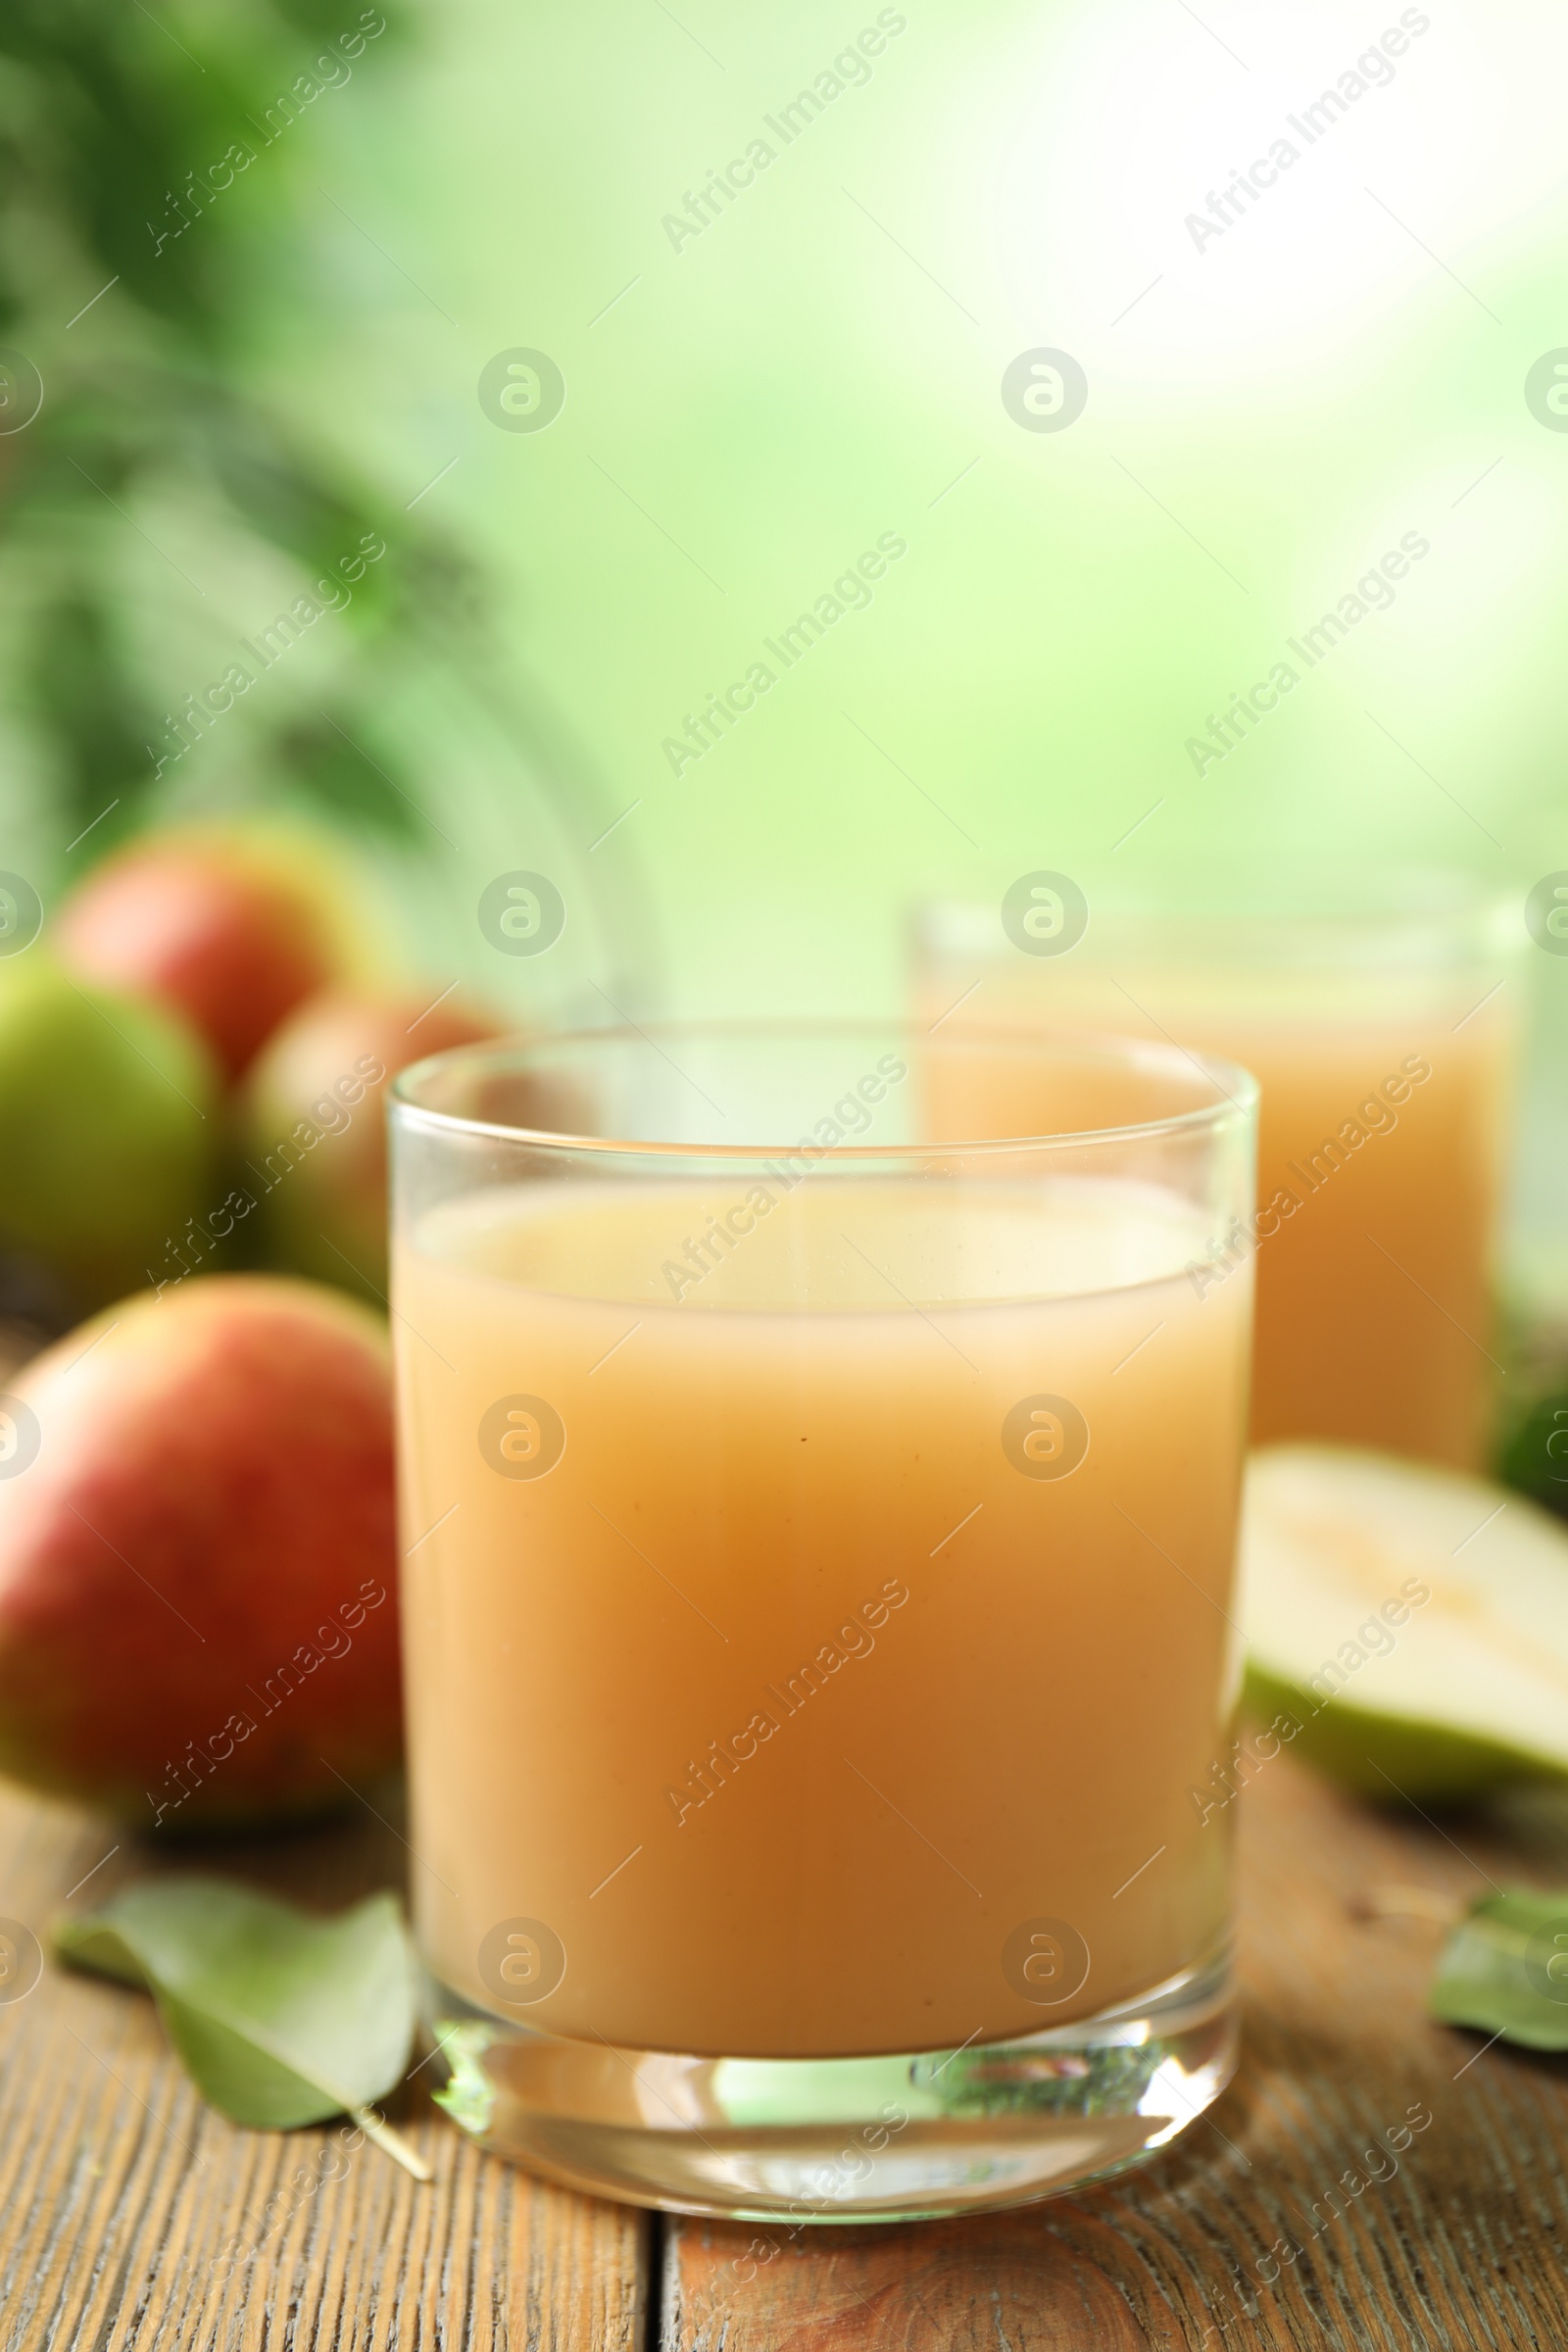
1382,1027
819,1527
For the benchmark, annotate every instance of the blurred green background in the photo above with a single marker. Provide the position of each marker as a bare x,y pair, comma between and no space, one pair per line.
748,405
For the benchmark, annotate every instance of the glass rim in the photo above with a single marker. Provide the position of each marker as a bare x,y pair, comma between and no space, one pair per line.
1402,919
1235,1091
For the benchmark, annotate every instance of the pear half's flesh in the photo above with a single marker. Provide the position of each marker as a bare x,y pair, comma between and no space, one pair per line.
1411,1621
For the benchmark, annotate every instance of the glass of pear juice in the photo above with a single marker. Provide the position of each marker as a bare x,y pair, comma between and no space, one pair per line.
1383,1029
820,1530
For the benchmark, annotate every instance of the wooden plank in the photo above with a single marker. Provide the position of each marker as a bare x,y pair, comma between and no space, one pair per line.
125,2201
1234,2239
131,2216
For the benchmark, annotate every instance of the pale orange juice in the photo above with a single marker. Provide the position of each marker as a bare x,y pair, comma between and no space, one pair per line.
1379,1165
816,1669
1382,1133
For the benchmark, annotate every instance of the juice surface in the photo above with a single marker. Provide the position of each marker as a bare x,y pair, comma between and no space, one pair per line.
796,1689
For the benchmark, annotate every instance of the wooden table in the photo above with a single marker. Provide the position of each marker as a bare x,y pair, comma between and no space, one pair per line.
119,2189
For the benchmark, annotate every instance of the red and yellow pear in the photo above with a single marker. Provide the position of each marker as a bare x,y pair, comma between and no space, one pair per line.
314,1124
228,931
197,1602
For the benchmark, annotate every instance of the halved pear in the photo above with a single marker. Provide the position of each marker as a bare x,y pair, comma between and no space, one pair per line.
1414,1622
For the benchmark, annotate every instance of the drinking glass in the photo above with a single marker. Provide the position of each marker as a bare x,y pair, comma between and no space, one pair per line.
1382,1023
820,1530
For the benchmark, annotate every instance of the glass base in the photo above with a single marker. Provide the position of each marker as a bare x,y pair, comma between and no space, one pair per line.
905,2137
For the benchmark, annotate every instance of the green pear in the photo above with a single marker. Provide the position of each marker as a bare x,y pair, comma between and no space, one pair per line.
108,1114
1412,1622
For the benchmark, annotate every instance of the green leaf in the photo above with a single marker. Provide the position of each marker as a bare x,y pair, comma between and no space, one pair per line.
280,2019
1534,1457
81,688
329,766
1504,1969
